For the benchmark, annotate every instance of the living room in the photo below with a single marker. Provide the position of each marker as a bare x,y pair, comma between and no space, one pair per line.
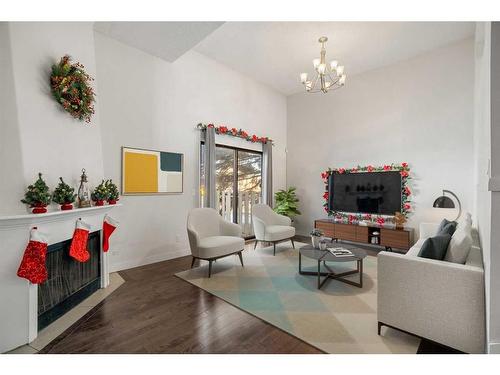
269,187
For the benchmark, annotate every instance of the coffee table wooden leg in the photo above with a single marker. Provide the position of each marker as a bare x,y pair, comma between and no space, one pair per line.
360,266
319,274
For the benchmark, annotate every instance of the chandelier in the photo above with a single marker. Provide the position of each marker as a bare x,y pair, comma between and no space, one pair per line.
328,76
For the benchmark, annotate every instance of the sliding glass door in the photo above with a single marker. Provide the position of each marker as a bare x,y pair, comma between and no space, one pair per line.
238,184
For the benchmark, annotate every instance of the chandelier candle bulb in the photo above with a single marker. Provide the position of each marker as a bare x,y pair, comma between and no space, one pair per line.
340,70
333,65
342,79
316,63
321,68
303,77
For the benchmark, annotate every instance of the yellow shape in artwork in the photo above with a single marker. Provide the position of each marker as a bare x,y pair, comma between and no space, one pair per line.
141,173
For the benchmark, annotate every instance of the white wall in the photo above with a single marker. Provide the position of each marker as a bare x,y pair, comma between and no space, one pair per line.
418,111
147,102
51,141
482,149
11,158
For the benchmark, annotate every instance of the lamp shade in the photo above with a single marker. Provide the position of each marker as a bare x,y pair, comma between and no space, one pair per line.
443,202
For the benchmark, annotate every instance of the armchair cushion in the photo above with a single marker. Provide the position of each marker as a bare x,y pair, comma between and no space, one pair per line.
278,232
215,246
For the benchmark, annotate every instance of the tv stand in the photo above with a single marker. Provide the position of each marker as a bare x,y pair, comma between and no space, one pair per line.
389,237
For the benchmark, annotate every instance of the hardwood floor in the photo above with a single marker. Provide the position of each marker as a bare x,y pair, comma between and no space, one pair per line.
156,312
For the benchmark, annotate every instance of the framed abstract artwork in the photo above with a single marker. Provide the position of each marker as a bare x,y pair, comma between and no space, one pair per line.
147,172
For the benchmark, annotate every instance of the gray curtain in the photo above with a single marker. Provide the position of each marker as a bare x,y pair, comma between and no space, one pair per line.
267,174
209,156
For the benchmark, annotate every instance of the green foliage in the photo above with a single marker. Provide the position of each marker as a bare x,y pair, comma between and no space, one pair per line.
38,193
71,88
63,193
100,193
113,193
286,202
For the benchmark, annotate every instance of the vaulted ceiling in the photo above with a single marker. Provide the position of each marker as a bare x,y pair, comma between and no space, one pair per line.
275,53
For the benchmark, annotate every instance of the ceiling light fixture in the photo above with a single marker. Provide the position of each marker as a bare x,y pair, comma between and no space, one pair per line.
328,76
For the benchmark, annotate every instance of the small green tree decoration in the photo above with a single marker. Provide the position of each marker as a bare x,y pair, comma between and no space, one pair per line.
113,193
286,202
37,194
100,193
64,194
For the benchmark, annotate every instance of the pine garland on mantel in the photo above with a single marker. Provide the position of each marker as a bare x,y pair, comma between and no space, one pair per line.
346,217
234,132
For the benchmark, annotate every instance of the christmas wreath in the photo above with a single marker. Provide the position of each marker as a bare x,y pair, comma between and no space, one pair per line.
70,86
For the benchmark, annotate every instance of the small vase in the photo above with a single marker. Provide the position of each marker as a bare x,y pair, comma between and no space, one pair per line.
316,240
99,202
39,208
66,206
112,201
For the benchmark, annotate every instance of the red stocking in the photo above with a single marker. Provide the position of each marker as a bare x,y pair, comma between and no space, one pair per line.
78,248
33,266
108,227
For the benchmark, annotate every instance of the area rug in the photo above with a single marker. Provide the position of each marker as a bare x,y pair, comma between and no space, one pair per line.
339,318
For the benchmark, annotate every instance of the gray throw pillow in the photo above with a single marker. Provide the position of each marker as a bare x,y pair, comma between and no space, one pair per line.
447,226
435,247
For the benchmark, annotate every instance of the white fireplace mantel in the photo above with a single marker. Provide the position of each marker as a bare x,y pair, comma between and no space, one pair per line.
18,297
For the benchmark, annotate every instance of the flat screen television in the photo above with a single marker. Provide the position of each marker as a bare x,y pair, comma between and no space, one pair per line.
368,193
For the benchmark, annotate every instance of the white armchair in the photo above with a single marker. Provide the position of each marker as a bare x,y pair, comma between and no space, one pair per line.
270,226
211,237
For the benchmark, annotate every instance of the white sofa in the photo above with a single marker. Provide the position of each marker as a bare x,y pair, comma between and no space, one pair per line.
440,300
270,226
211,237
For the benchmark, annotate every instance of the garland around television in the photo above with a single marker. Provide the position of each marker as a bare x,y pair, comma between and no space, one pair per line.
350,218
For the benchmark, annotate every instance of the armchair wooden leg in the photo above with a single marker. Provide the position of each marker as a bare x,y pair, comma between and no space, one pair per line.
255,245
210,268
293,244
241,258
192,262
274,248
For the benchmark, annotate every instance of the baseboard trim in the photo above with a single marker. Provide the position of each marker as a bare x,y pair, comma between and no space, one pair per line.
148,260
494,348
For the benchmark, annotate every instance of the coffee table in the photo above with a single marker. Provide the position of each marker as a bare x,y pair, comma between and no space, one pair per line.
325,256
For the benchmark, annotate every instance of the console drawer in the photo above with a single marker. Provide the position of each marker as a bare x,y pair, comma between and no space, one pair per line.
362,234
399,239
345,232
327,228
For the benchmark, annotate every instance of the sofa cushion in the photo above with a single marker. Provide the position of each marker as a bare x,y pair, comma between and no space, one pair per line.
216,246
447,226
278,232
460,244
435,247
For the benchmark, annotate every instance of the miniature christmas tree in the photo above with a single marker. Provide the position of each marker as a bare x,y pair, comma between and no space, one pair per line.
37,194
64,195
113,193
100,194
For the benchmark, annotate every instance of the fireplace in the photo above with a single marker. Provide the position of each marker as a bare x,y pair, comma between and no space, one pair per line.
69,281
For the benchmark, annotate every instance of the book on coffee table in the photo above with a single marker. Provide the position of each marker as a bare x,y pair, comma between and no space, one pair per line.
340,252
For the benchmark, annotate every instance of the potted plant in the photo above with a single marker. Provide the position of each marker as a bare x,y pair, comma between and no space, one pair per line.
37,196
113,193
316,237
100,194
64,195
286,202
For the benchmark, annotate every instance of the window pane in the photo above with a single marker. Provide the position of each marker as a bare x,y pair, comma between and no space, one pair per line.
249,187
224,180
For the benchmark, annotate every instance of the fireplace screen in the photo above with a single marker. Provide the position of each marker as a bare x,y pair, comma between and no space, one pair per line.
69,281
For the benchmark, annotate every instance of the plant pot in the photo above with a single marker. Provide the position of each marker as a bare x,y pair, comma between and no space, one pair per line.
99,202
66,206
315,240
39,208
112,201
